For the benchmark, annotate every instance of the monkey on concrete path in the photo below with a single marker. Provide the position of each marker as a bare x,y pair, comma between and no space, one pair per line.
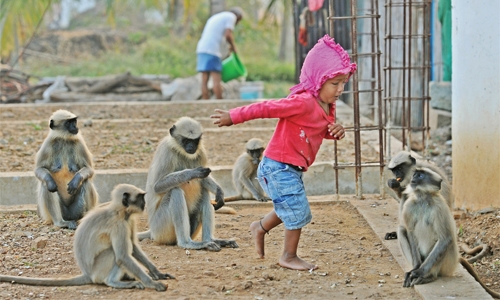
427,232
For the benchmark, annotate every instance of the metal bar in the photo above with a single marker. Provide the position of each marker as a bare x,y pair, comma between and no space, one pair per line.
357,136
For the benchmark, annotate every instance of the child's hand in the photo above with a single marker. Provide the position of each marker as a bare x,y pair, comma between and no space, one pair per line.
337,131
222,118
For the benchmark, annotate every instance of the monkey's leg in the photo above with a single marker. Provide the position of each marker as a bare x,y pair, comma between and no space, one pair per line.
138,254
208,223
51,209
404,244
178,213
114,280
84,200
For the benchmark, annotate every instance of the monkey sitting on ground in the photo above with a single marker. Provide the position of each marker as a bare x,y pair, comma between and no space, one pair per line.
106,247
402,166
245,173
64,168
427,232
177,191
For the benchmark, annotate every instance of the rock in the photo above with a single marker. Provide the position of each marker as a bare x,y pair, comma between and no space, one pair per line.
39,243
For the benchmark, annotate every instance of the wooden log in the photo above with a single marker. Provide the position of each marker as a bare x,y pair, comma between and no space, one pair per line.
104,86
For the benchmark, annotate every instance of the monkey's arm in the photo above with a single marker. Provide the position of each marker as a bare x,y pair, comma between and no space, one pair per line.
44,176
247,182
143,259
80,176
214,188
122,246
178,178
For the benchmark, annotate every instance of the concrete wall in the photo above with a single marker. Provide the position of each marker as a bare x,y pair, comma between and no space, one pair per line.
20,188
476,103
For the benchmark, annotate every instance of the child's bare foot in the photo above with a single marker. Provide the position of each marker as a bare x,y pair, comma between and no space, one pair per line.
258,236
296,263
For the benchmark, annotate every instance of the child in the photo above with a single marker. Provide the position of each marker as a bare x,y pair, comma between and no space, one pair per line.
306,116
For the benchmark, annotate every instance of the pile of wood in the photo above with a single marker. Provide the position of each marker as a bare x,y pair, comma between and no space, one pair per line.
13,85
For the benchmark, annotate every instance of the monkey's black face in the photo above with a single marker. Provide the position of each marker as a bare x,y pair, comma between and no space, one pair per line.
140,202
400,171
256,155
421,178
70,126
190,145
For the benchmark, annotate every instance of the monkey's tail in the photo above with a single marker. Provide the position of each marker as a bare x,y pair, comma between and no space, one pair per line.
471,271
482,249
226,210
78,280
235,198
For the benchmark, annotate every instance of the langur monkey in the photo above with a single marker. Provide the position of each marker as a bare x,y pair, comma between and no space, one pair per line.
427,232
177,191
402,166
106,247
64,169
245,173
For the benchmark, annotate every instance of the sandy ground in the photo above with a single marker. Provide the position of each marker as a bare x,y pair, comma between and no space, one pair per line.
353,262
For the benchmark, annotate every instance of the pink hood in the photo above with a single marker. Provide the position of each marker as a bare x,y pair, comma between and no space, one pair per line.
324,61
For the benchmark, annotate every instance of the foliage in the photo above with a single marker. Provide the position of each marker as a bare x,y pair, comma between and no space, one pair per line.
157,49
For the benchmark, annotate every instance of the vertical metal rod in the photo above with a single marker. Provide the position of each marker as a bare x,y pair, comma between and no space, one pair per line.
379,100
357,137
331,11
403,119
410,51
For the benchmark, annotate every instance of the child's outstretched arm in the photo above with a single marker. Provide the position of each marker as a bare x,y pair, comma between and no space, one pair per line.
336,130
222,118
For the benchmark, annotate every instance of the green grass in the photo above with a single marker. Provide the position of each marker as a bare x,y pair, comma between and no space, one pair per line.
155,50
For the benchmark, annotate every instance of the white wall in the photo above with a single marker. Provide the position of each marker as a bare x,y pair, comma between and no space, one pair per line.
476,103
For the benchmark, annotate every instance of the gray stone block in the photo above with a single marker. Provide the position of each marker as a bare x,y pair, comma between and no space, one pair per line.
440,93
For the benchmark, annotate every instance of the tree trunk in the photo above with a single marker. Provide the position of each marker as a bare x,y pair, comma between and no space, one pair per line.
178,18
286,45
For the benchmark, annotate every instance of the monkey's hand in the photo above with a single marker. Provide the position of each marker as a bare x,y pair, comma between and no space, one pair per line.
413,277
219,199
393,183
158,276
160,287
51,184
201,172
74,183
391,236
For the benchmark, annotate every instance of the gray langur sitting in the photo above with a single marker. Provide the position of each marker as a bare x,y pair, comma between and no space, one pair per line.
402,166
106,247
178,187
245,173
64,169
427,232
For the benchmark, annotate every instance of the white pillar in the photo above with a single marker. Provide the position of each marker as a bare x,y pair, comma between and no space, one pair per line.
476,103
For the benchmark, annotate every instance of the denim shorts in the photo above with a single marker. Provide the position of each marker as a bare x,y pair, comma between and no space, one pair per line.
285,186
208,63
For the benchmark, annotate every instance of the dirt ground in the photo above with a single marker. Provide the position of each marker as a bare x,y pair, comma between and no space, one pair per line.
354,264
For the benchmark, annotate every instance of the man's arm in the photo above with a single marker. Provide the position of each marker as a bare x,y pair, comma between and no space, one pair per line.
230,39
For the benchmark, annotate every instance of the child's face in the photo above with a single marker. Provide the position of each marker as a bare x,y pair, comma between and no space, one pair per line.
332,89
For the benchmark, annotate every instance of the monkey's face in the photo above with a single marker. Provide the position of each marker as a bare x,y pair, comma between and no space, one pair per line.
426,181
70,126
130,201
256,155
190,145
